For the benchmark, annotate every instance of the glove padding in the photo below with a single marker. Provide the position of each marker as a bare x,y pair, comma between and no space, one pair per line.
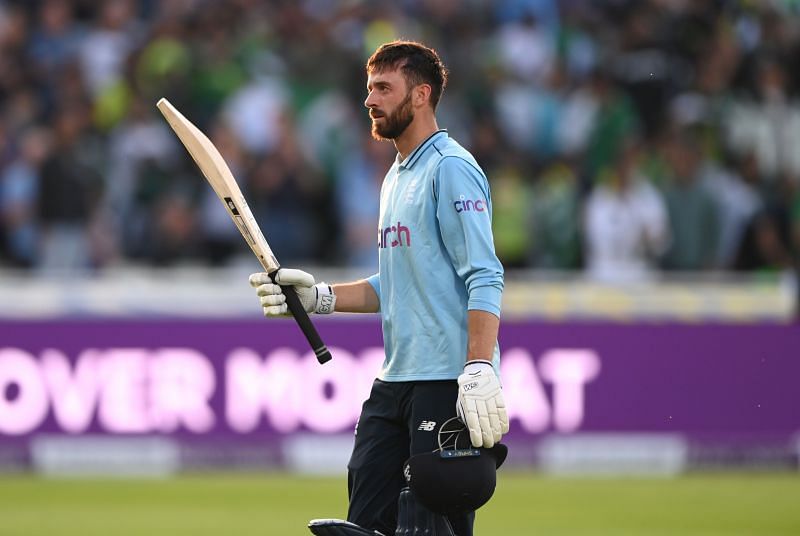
480,404
317,298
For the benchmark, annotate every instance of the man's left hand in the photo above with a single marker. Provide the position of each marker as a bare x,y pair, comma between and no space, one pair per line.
480,404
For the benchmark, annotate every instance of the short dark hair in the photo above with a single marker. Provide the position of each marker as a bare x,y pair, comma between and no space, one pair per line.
419,64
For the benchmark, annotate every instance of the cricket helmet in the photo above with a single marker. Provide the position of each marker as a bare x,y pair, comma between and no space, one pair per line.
456,477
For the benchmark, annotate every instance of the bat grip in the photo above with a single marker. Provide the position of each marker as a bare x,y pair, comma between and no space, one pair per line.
301,316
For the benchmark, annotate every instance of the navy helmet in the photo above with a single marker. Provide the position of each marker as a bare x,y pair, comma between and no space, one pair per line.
456,477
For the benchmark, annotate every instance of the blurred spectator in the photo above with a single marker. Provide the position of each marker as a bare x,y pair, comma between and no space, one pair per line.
19,192
614,120
511,216
768,124
330,129
162,66
527,49
644,65
106,46
173,235
693,221
576,45
288,199
68,194
578,120
254,111
765,245
359,180
556,219
795,218
144,158
795,223
218,71
765,240
56,37
625,226
737,201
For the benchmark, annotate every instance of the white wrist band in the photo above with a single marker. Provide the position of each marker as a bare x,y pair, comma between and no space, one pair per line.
326,299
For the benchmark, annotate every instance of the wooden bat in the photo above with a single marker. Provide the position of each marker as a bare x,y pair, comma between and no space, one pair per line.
217,173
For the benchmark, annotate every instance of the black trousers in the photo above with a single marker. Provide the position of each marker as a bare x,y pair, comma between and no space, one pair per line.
398,420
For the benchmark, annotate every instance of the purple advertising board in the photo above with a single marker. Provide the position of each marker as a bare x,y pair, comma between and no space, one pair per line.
253,379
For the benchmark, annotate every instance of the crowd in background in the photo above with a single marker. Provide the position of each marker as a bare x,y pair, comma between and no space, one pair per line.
619,137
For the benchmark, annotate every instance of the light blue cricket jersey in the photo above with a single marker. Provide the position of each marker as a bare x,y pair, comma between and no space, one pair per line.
436,260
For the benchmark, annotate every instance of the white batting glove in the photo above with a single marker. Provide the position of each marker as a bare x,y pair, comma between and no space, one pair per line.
480,404
317,298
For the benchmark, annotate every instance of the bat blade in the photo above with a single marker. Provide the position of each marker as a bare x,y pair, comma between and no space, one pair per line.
219,176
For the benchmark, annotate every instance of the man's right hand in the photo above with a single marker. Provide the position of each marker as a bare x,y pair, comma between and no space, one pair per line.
317,298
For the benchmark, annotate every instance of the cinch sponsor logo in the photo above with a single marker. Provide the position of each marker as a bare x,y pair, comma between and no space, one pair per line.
468,205
392,236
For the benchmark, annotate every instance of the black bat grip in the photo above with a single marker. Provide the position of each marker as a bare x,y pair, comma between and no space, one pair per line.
300,315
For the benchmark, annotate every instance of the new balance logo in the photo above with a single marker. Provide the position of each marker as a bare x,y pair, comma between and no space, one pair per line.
427,426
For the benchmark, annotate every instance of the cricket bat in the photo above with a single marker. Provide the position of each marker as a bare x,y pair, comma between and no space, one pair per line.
219,176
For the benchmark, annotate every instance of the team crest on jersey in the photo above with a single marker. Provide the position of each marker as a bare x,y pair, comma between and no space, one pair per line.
411,192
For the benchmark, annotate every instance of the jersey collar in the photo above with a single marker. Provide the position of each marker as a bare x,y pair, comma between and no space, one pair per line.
421,148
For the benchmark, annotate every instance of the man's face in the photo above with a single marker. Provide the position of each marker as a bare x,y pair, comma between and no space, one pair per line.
389,103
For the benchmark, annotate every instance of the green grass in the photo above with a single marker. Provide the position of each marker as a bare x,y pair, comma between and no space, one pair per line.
524,505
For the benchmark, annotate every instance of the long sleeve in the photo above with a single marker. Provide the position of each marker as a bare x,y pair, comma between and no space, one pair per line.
464,214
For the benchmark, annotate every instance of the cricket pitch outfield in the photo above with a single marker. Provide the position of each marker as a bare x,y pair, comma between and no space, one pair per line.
525,504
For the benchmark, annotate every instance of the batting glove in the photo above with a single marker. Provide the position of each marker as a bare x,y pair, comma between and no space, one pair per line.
317,298
480,404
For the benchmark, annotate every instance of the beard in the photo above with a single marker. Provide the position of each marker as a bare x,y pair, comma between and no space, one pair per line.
395,123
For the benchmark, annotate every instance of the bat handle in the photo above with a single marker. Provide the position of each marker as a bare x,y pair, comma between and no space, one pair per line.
301,316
